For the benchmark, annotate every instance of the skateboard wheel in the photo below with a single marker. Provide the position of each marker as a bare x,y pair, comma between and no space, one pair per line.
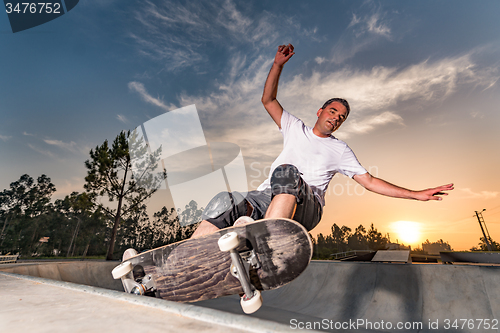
228,242
250,305
121,270
138,290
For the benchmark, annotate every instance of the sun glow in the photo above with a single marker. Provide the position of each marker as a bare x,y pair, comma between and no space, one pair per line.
407,232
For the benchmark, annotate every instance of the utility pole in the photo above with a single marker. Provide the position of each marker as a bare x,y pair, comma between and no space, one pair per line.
481,222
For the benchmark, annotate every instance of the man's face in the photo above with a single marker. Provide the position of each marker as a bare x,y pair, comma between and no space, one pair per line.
329,119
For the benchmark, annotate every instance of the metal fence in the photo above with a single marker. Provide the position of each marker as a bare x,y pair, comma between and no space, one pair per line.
8,259
340,255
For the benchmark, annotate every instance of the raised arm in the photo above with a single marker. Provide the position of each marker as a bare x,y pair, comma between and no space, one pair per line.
380,186
269,100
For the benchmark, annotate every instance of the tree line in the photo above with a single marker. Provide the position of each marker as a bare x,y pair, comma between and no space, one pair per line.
342,239
107,218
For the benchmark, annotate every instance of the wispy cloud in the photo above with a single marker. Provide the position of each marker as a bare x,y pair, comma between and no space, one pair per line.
382,88
319,60
139,88
477,114
41,151
479,195
5,137
363,31
70,146
28,134
67,186
233,112
122,118
175,33
370,123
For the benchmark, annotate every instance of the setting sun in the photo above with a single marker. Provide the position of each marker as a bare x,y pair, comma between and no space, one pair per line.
408,233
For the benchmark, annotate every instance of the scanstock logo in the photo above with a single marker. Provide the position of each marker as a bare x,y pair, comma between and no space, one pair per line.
25,15
196,169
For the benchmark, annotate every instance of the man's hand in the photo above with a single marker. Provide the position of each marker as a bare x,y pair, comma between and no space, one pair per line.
285,52
433,193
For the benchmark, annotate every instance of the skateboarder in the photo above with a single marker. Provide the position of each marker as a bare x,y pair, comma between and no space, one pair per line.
300,175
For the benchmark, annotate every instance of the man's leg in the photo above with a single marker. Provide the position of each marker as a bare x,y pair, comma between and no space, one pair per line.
293,198
221,212
282,206
285,182
204,228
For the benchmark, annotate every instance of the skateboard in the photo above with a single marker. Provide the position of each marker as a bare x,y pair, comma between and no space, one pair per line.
245,260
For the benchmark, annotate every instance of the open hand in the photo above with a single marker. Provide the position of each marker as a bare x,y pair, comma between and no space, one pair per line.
433,193
284,53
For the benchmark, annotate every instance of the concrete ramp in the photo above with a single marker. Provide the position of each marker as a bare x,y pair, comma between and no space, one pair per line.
383,297
34,304
402,256
328,296
91,273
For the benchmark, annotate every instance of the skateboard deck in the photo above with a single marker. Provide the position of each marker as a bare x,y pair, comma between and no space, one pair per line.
196,269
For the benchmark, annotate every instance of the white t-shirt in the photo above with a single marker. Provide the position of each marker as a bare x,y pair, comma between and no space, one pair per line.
318,159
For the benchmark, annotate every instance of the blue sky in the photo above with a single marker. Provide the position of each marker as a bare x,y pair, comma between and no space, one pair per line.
421,77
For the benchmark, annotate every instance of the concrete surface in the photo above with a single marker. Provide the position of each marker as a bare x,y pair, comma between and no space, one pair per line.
33,304
329,296
402,256
343,292
95,273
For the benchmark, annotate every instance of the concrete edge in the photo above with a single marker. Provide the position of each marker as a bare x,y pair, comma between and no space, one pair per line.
212,316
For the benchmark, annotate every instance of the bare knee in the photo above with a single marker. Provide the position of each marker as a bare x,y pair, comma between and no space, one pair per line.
204,228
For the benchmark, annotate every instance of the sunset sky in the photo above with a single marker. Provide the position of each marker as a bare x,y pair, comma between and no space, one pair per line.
421,78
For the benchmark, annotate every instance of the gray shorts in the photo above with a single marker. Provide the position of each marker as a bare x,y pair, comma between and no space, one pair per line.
226,207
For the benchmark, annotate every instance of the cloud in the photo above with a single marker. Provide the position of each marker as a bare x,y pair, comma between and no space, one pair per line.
122,118
233,112
175,33
41,151
319,60
382,88
362,32
139,88
70,146
67,186
5,137
375,26
479,195
477,114
28,134
369,124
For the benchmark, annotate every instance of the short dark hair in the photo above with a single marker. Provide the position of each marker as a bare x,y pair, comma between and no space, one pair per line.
340,100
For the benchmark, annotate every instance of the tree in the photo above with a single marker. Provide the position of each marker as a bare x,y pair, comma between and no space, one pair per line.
359,239
483,246
141,233
323,247
77,207
375,239
340,236
24,207
125,172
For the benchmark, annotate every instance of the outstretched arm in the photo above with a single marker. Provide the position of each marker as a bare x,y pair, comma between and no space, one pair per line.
380,186
269,100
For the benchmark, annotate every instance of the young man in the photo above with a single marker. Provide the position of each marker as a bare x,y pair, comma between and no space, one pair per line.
300,175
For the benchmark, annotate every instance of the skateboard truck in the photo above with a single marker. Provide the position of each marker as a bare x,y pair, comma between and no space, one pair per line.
251,301
124,271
